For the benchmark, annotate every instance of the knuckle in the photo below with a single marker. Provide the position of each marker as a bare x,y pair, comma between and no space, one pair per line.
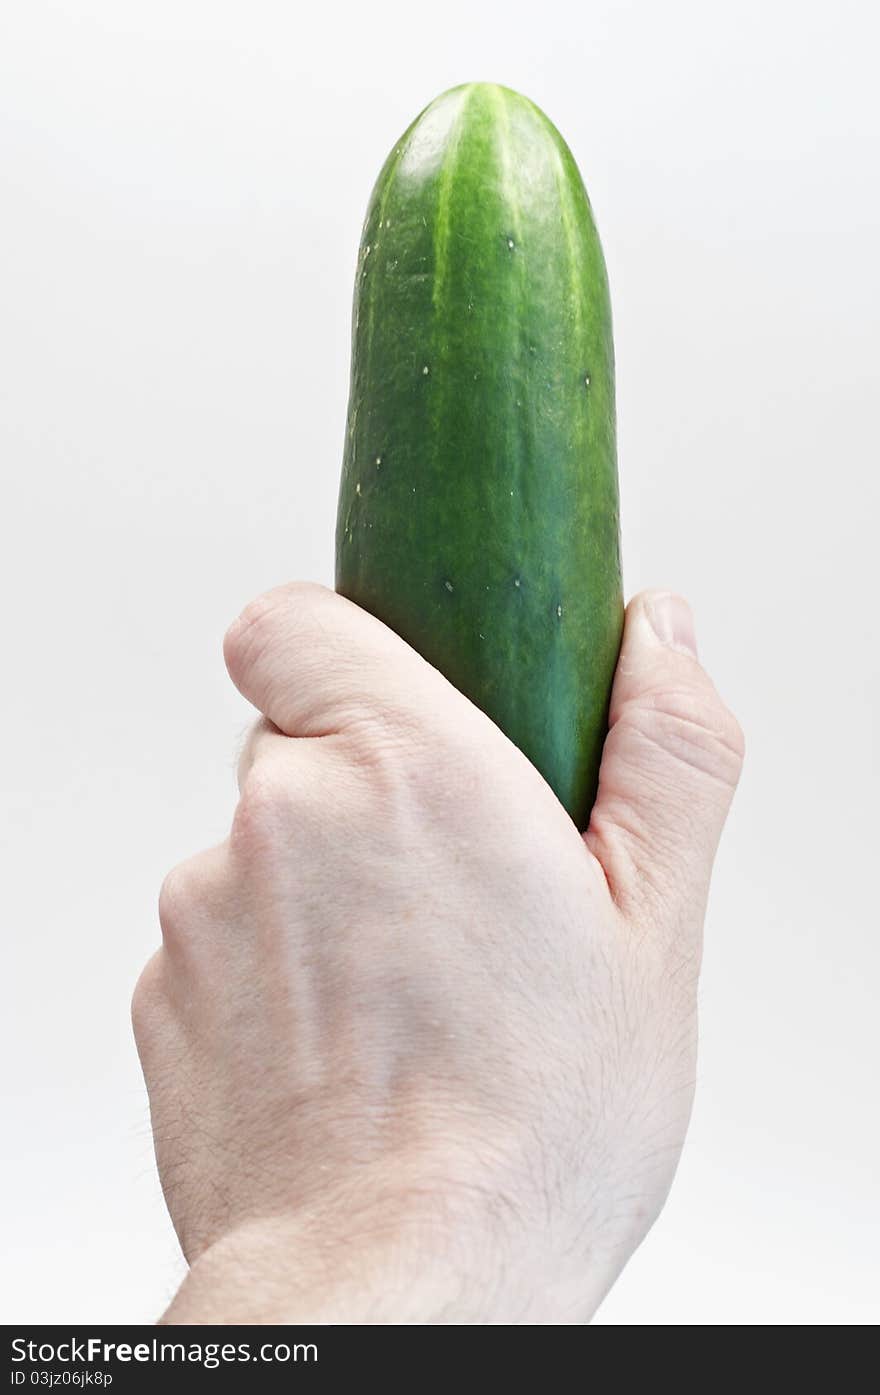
445,766
148,998
464,754
385,762
175,900
184,893
249,752
425,718
268,797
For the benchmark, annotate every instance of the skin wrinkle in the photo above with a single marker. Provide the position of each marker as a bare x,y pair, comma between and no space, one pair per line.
686,741
618,841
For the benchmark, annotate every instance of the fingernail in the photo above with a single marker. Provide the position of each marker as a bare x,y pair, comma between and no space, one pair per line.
673,623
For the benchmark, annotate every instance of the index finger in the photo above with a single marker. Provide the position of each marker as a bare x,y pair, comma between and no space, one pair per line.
313,663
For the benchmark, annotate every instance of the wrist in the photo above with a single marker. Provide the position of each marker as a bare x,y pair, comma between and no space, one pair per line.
386,1262
425,1253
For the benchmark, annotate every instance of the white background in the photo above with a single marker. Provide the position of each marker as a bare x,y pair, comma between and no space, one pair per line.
183,184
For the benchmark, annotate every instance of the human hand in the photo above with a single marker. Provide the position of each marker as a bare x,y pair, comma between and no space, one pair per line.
416,1049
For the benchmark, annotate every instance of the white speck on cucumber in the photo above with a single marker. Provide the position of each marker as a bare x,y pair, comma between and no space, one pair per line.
517,583
357,488
559,612
510,244
425,371
449,586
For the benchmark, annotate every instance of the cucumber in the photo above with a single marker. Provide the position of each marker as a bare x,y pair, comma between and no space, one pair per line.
478,509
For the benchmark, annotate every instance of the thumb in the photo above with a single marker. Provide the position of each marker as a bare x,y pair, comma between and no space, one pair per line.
670,766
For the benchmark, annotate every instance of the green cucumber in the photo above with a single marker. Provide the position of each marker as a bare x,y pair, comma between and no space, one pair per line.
478,510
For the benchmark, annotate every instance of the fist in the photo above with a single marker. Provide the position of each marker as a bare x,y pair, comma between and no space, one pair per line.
406,997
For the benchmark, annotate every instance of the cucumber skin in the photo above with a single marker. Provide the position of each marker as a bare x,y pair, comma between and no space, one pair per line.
478,509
